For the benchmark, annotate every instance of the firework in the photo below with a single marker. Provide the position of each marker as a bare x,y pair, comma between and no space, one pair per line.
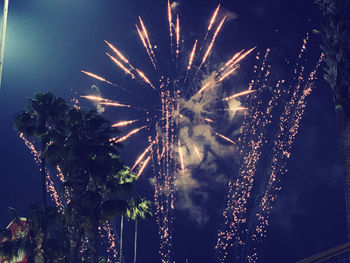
212,42
127,136
246,92
192,55
124,123
213,18
168,159
96,77
224,137
119,64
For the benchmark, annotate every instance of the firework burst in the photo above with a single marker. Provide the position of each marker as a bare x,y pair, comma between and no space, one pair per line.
184,102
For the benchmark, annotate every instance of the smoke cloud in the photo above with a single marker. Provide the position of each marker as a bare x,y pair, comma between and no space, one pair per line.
201,149
96,91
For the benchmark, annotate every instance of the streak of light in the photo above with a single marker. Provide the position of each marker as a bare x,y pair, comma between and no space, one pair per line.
228,73
115,104
119,64
104,101
94,98
192,55
127,136
197,152
213,18
170,22
177,35
246,92
239,109
208,120
205,86
235,56
123,123
144,165
145,79
244,55
181,157
238,57
145,44
224,137
119,54
97,77
140,158
149,45
212,42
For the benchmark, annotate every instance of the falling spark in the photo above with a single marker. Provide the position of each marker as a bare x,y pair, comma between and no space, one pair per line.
212,42
228,73
145,79
205,86
115,104
246,92
177,35
208,120
224,137
94,98
119,64
114,140
238,57
170,23
197,152
213,18
119,54
148,45
192,55
145,45
235,56
239,109
104,101
143,155
181,157
144,165
97,77
123,123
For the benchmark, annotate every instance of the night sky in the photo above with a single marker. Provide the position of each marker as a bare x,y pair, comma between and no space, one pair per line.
50,41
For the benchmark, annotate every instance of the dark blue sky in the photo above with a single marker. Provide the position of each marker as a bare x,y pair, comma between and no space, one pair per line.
50,41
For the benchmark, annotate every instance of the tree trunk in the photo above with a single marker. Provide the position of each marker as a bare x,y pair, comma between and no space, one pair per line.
121,238
345,144
43,185
135,244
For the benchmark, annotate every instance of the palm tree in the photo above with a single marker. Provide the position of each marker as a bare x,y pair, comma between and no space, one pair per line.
96,185
94,176
44,113
335,34
127,178
138,208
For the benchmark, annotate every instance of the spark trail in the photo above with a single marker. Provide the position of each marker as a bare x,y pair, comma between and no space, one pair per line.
166,147
244,227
